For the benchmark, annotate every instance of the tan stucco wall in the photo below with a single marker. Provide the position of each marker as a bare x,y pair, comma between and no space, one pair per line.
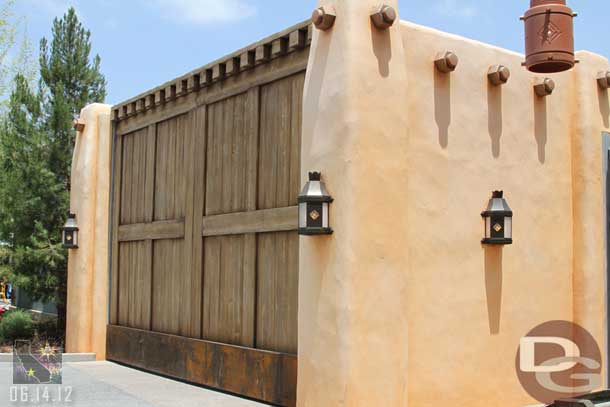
403,305
352,285
87,307
469,305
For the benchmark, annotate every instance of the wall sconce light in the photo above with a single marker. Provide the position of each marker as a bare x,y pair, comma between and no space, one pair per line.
498,220
549,36
69,234
314,203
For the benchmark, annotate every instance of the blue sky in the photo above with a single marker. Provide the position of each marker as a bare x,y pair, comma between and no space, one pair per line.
144,43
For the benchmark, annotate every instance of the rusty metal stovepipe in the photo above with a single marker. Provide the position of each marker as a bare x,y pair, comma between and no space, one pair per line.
549,36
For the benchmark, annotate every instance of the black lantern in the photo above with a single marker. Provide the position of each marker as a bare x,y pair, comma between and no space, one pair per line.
69,235
314,201
498,220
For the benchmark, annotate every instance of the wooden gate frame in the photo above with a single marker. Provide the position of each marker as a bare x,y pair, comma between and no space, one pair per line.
258,374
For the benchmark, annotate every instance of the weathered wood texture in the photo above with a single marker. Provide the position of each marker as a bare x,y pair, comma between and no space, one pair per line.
226,367
204,241
266,220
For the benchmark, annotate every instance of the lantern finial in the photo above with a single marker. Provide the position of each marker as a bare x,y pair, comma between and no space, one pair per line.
315,176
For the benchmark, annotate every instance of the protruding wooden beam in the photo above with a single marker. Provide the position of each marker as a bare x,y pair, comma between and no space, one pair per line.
206,79
160,96
279,47
150,101
170,93
131,108
219,71
246,60
194,82
183,87
79,125
297,39
263,53
140,105
232,66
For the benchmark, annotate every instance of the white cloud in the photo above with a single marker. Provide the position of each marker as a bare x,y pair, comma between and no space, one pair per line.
205,11
455,8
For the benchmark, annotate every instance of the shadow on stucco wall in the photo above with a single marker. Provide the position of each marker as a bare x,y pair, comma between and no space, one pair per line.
382,48
604,105
313,90
494,117
493,286
442,106
540,126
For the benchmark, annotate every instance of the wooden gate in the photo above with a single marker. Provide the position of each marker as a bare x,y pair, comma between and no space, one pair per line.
204,244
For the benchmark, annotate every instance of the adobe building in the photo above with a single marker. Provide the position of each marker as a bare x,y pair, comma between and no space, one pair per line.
196,269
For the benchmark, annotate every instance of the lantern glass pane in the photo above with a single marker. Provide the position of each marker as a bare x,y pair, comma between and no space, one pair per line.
508,227
75,238
487,227
325,215
303,215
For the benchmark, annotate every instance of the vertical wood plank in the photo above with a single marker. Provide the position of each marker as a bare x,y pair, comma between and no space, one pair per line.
294,172
187,155
198,186
150,161
227,318
125,185
149,199
125,267
252,115
170,172
172,303
229,289
116,215
277,289
279,179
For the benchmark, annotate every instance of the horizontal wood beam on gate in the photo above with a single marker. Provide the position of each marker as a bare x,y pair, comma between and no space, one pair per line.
265,220
262,375
170,229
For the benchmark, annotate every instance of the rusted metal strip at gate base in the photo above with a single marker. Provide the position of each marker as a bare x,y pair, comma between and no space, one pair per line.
267,376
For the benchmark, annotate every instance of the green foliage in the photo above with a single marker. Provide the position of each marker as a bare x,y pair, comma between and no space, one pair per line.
17,324
48,330
15,50
36,144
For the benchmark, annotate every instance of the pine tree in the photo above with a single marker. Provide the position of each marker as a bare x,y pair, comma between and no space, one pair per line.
36,143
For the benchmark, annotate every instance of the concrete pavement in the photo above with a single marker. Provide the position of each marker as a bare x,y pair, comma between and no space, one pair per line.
106,384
